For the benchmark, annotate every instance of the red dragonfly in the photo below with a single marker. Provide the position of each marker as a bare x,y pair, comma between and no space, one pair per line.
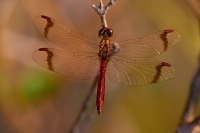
83,58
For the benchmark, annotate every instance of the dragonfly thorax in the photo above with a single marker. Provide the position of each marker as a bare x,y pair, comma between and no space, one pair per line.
104,48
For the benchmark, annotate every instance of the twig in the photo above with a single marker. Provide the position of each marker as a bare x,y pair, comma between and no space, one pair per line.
188,122
74,128
188,115
101,10
88,118
193,127
194,7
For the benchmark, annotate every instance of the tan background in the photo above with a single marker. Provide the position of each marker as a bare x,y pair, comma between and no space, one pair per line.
34,100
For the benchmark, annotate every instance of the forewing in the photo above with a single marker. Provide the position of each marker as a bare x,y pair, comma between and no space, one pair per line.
79,65
63,37
138,72
148,46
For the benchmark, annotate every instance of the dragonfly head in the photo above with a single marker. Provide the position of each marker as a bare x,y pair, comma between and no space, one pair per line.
105,32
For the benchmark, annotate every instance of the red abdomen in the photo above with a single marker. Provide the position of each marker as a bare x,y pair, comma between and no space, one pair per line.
101,86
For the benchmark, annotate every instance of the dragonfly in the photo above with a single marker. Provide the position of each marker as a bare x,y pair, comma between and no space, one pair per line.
80,57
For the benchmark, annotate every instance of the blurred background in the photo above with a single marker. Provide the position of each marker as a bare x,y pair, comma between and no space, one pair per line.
35,100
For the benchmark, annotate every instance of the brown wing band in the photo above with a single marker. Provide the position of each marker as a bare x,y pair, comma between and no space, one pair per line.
48,26
163,36
49,57
158,71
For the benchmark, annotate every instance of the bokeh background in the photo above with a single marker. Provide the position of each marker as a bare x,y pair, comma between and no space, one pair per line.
35,100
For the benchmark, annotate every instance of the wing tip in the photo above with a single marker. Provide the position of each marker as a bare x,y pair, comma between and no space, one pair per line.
173,35
172,31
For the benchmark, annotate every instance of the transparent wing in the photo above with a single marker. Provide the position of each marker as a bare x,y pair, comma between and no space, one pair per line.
62,37
148,46
138,72
79,65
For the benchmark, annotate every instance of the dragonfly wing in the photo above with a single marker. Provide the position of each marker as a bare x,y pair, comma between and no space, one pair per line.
63,37
79,65
138,72
148,46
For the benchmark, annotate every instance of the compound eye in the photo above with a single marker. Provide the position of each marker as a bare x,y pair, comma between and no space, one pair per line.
101,32
109,32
